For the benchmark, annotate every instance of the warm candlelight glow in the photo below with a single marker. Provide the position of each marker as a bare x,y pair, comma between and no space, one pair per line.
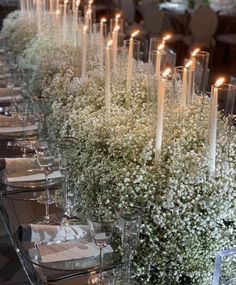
109,43
161,47
90,2
58,12
103,20
85,28
118,16
194,53
88,12
219,82
188,64
116,29
77,3
166,73
135,33
166,37
65,2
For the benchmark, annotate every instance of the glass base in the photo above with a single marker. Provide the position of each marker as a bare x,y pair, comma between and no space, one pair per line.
43,199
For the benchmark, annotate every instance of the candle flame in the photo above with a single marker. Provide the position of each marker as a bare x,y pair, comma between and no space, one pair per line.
116,29
65,2
77,3
166,73
219,82
188,64
161,47
90,2
135,33
118,16
166,37
109,43
85,28
194,53
103,20
88,12
57,12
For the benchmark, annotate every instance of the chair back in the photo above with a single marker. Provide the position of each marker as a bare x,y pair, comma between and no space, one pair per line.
218,275
152,16
128,9
203,24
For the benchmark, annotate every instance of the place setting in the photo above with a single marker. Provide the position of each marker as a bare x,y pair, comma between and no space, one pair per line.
91,249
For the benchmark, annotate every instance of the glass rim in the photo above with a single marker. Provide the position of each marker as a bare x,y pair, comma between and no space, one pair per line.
202,53
181,68
227,86
138,212
135,41
156,50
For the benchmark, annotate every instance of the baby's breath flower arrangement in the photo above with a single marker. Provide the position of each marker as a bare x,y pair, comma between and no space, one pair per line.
188,213
18,32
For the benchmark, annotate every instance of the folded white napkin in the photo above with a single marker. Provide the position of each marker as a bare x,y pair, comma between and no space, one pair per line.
70,250
55,233
18,129
34,177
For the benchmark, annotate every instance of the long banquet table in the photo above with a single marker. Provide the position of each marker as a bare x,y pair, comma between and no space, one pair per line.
20,206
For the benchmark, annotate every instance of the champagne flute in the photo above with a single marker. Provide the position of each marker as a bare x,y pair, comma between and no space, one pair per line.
45,161
23,114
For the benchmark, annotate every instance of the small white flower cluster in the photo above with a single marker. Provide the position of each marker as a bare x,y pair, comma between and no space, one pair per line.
188,214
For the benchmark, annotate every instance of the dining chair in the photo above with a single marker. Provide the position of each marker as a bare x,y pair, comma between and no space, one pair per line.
128,9
218,275
153,18
203,25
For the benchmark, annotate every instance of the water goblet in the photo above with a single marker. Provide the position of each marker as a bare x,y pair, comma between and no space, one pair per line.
101,228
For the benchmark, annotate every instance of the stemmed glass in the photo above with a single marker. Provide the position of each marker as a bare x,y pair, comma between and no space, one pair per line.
23,114
45,161
67,149
101,228
130,220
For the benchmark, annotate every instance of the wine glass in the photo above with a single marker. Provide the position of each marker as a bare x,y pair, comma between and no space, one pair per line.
101,228
129,220
45,161
23,114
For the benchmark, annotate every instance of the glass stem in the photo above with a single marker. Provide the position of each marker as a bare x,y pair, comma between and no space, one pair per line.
66,193
47,197
127,263
101,262
24,138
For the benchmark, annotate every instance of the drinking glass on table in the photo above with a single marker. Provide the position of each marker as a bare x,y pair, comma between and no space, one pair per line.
101,228
23,114
67,150
129,220
45,161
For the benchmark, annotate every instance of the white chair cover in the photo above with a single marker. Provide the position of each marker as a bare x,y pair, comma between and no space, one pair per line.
203,25
128,8
153,17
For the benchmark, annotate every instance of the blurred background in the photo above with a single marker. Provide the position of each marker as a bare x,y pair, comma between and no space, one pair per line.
207,24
